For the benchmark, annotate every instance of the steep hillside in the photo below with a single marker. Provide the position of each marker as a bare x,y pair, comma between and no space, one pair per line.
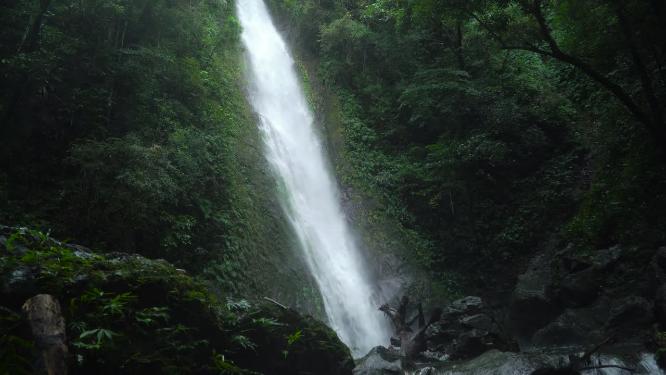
130,135
478,150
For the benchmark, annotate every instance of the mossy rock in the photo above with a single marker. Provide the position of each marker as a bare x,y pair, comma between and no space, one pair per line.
293,344
127,314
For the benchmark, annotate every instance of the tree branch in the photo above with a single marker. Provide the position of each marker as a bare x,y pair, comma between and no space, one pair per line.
535,9
557,53
646,82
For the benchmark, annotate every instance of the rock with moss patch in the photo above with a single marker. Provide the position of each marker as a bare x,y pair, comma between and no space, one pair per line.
127,314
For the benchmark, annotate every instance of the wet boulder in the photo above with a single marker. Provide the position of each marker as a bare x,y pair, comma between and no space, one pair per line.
580,289
478,321
658,265
631,317
296,344
472,343
575,326
166,322
426,371
580,286
465,330
532,304
557,280
379,361
660,305
466,305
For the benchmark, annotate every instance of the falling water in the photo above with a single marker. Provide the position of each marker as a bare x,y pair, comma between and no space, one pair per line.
311,198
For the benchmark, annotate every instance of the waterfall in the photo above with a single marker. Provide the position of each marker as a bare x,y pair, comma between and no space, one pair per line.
310,198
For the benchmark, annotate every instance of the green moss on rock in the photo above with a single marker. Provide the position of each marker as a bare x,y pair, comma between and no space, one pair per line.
129,314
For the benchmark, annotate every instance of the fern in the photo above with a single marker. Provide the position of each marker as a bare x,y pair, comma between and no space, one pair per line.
240,305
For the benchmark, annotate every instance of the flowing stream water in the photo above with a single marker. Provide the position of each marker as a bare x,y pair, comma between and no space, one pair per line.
310,198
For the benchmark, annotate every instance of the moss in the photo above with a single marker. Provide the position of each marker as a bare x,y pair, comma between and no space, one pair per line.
291,342
378,218
129,314
259,251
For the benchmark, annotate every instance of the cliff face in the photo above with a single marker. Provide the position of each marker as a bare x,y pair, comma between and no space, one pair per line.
126,314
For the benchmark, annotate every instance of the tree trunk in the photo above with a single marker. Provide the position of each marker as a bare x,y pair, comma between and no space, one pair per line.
48,330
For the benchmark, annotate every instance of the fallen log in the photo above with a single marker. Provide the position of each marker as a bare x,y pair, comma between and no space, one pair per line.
275,302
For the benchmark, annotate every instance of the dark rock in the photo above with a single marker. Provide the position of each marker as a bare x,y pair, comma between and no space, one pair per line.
466,331
426,371
317,351
471,344
630,315
495,362
555,371
581,288
565,330
20,281
571,264
658,265
466,305
661,358
555,281
379,361
434,356
603,259
582,326
440,334
660,305
532,305
6,231
478,321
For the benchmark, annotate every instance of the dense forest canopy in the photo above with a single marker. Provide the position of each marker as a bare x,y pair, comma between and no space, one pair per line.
111,121
497,126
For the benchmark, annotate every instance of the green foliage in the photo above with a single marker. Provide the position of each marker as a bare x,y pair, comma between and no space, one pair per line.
15,351
286,341
237,306
94,339
126,314
14,355
136,136
291,340
226,367
152,316
128,121
474,149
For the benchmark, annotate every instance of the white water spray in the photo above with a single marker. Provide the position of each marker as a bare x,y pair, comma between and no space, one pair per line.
311,197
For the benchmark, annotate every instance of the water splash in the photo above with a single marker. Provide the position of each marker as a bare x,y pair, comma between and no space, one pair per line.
311,198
